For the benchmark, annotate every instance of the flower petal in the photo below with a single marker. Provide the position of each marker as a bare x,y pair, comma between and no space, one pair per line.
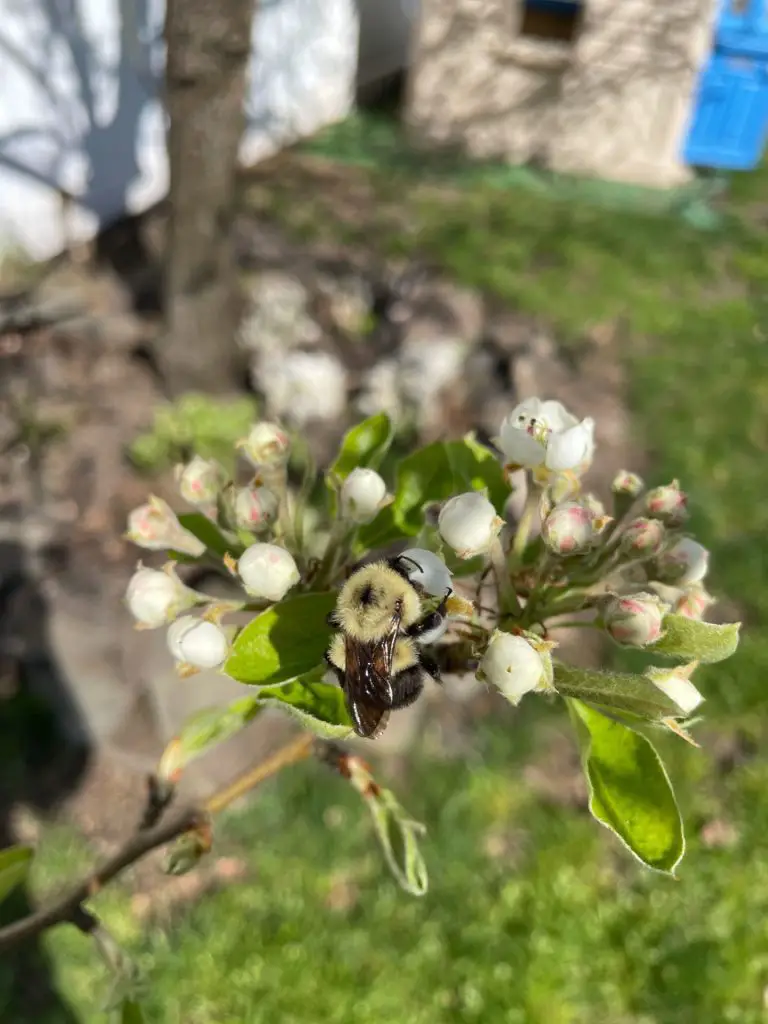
556,416
519,448
571,448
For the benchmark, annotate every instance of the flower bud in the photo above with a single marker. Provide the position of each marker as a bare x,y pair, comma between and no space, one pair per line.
154,526
643,536
427,570
517,664
155,597
266,445
677,685
197,642
363,493
627,483
687,562
668,503
593,503
693,602
634,620
255,508
468,523
267,571
200,481
571,527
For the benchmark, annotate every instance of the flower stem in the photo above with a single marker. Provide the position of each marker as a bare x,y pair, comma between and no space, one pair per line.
508,600
526,520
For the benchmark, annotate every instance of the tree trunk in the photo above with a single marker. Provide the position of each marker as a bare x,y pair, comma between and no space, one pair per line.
208,45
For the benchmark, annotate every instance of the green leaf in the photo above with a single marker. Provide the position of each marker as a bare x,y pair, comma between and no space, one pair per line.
15,862
319,706
210,534
690,640
630,792
379,532
131,1012
365,444
477,468
205,730
440,471
424,476
283,642
621,690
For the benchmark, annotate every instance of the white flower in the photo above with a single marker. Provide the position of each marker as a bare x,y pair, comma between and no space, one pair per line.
571,527
427,570
687,562
627,483
517,664
267,571
667,503
677,685
544,434
198,642
635,620
155,597
363,493
200,481
303,386
468,523
154,526
267,444
255,508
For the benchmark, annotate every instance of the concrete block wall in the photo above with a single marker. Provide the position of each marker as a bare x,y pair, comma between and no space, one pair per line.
613,103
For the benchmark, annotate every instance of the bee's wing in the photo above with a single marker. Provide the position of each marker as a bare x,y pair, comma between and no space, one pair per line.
368,682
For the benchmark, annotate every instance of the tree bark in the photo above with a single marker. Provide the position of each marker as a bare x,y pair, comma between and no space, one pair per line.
208,45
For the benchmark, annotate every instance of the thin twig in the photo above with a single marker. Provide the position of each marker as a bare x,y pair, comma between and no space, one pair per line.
290,754
70,907
66,909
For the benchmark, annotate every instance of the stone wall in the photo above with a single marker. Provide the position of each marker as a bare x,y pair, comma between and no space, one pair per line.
614,102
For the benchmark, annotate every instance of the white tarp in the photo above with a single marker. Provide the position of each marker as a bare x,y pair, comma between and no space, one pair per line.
79,81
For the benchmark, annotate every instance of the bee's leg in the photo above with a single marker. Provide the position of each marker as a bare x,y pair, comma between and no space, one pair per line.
407,687
430,622
430,666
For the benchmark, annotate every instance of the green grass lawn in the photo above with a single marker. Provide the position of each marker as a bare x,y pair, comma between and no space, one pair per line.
535,916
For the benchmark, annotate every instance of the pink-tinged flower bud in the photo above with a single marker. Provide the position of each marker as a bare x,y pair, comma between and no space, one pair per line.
687,562
363,493
468,523
693,602
154,526
517,664
267,571
255,508
200,481
156,597
197,642
635,620
676,684
643,536
266,445
572,527
627,483
668,503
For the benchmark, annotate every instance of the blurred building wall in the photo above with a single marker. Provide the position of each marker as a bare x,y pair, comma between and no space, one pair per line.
606,93
79,107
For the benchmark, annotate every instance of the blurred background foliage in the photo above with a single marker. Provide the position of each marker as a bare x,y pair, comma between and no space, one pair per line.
534,916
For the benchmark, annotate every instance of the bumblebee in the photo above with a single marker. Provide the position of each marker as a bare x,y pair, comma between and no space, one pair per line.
376,654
